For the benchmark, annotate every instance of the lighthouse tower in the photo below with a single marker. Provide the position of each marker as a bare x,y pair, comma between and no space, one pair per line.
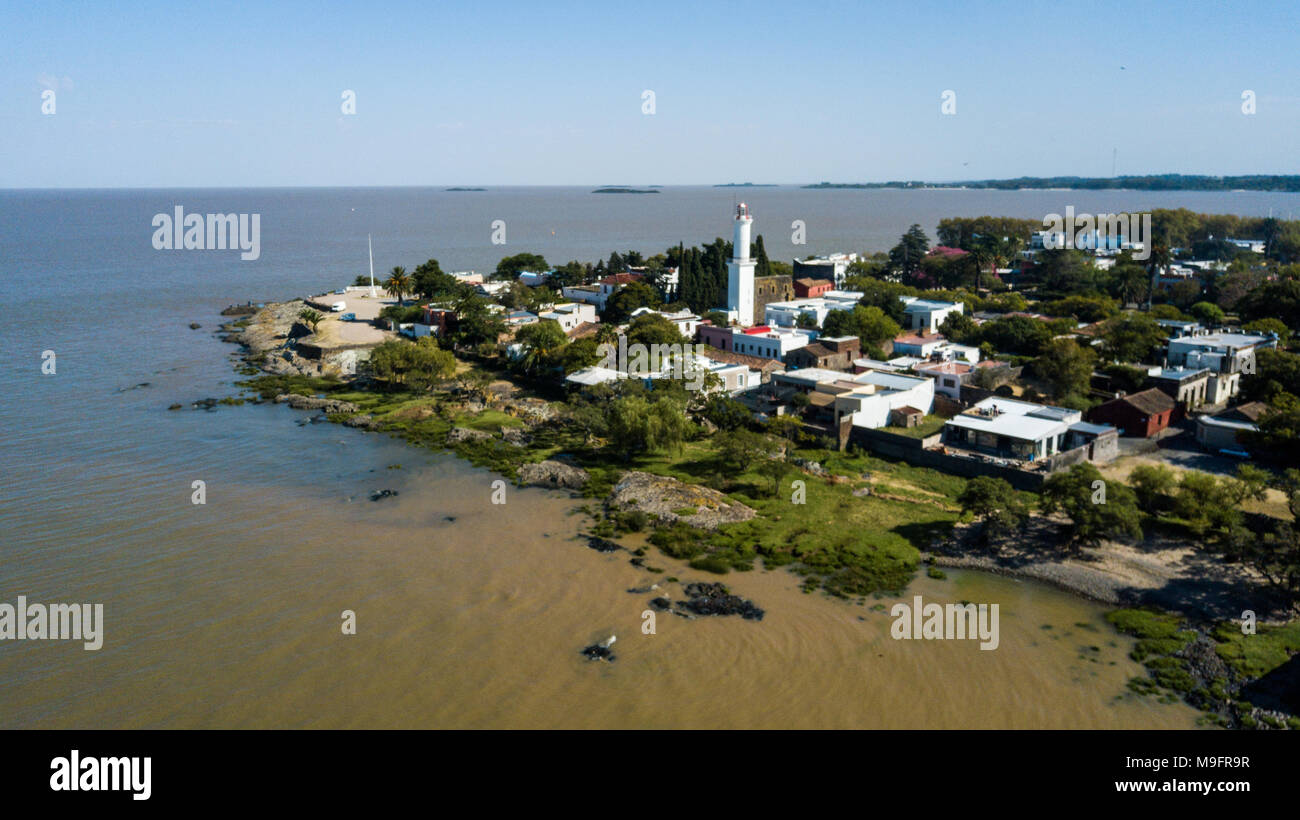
740,270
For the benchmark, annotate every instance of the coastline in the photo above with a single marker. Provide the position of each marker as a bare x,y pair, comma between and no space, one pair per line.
493,426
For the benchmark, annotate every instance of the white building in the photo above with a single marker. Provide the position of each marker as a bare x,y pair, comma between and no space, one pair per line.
1220,352
868,397
1253,245
570,314
880,393
833,267
686,321
1012,429
786,314
740,270
772,343
925,316
599,293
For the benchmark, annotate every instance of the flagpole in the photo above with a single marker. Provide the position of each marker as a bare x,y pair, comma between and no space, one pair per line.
371,246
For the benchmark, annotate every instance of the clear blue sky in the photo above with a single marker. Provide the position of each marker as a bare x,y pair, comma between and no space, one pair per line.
496,93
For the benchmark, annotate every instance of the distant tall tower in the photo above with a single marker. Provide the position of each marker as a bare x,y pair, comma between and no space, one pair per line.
740,270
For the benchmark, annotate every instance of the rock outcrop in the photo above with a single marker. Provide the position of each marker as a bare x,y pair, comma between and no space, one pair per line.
672,500
554,474
298,402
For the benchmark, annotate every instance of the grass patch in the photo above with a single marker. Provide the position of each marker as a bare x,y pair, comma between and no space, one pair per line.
1158,633
1256,655
929,426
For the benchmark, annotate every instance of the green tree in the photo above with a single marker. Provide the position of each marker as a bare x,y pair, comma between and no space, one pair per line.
1278,436
580,354
1131,337
738,450
1153,485
1278,299
511,266
310,318
994,503
1066,367
1208,506
869,324
1016,334
725,413
540,342
905,257
1266,326
429,282
775,469
398,283
652,329
1096,509
416,365
627,299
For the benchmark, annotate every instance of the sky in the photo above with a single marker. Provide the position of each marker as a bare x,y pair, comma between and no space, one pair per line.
553,93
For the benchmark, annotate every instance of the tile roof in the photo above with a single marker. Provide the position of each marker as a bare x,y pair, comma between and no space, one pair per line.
1149,401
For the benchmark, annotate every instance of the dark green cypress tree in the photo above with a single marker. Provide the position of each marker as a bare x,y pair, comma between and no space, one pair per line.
761,268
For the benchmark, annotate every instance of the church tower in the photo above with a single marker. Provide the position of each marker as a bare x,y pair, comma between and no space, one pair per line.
740,270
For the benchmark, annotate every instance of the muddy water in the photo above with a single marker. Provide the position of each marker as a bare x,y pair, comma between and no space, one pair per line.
472,615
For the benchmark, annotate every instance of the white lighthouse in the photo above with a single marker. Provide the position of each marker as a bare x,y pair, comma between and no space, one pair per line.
740,270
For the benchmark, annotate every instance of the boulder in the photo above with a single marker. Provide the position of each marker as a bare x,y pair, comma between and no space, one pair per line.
516,436
669,498
716,599
463,434
298,402
552,473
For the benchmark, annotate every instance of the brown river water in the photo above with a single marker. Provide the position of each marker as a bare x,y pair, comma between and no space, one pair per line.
478,623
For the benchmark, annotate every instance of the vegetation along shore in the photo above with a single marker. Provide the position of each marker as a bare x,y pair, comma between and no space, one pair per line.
728,485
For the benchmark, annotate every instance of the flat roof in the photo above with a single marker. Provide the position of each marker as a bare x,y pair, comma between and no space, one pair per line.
1221,339
1089,427
1023,427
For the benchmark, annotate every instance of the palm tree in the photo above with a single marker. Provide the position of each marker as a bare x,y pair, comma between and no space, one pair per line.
1132,281
607,333
985,251
1157,263
310,317
398,283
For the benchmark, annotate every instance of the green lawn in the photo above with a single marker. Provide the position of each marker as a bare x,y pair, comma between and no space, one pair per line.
929,426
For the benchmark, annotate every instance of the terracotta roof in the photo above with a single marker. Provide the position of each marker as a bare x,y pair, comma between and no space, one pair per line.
621,279
913,339
583,330
1250,411
953,368
814,349
753,362
1149,401
909,410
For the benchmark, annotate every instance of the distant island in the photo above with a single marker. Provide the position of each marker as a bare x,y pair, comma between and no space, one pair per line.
1155,182
753,185
464,189
625,191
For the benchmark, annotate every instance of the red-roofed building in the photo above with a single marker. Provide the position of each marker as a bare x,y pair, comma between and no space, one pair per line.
807,288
